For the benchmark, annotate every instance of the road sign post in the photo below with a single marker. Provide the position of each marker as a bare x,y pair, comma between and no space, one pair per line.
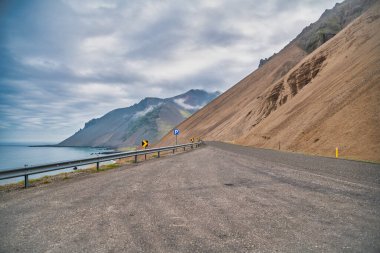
176,133
145,143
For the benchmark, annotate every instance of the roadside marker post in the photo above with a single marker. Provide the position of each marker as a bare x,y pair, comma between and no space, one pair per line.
336,152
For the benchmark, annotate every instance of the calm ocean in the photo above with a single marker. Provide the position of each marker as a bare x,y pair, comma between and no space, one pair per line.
14,156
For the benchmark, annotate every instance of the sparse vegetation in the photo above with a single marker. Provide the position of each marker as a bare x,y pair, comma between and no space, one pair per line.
126,149
109,167
44,179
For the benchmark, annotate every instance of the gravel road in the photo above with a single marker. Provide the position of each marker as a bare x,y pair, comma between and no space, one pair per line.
218,198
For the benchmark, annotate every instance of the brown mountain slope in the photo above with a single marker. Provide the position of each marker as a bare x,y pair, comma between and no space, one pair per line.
308,103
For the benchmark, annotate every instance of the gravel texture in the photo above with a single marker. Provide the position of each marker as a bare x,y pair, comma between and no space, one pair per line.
219,198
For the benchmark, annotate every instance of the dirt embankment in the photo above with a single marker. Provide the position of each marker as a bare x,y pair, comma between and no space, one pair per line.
309,103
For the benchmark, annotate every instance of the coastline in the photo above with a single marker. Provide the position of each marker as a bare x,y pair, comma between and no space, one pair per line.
21,155
112,150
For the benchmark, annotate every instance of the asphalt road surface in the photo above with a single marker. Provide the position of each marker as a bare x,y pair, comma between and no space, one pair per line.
219,198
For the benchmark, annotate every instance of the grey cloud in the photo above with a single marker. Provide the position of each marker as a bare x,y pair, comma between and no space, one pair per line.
219,37
65,62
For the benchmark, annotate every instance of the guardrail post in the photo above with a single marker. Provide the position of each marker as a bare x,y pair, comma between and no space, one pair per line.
135,158
26,181
158,154
192,146
97,166
173,150
145,156
184,148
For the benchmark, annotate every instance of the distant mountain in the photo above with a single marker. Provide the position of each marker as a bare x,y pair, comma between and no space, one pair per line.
149,119
320,92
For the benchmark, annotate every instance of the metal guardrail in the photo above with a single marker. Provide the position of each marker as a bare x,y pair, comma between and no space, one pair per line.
25,172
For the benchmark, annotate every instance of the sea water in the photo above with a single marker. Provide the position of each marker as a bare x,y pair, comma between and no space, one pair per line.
14,156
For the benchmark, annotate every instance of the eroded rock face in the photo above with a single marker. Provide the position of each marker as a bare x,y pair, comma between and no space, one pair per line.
273,98
304,74
284,89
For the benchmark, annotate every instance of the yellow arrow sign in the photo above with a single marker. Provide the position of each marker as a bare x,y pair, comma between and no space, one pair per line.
145,143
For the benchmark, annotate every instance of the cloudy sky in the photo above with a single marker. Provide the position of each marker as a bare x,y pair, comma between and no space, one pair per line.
64,62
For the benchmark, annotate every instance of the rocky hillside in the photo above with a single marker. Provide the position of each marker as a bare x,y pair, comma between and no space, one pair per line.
320,92
150,119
